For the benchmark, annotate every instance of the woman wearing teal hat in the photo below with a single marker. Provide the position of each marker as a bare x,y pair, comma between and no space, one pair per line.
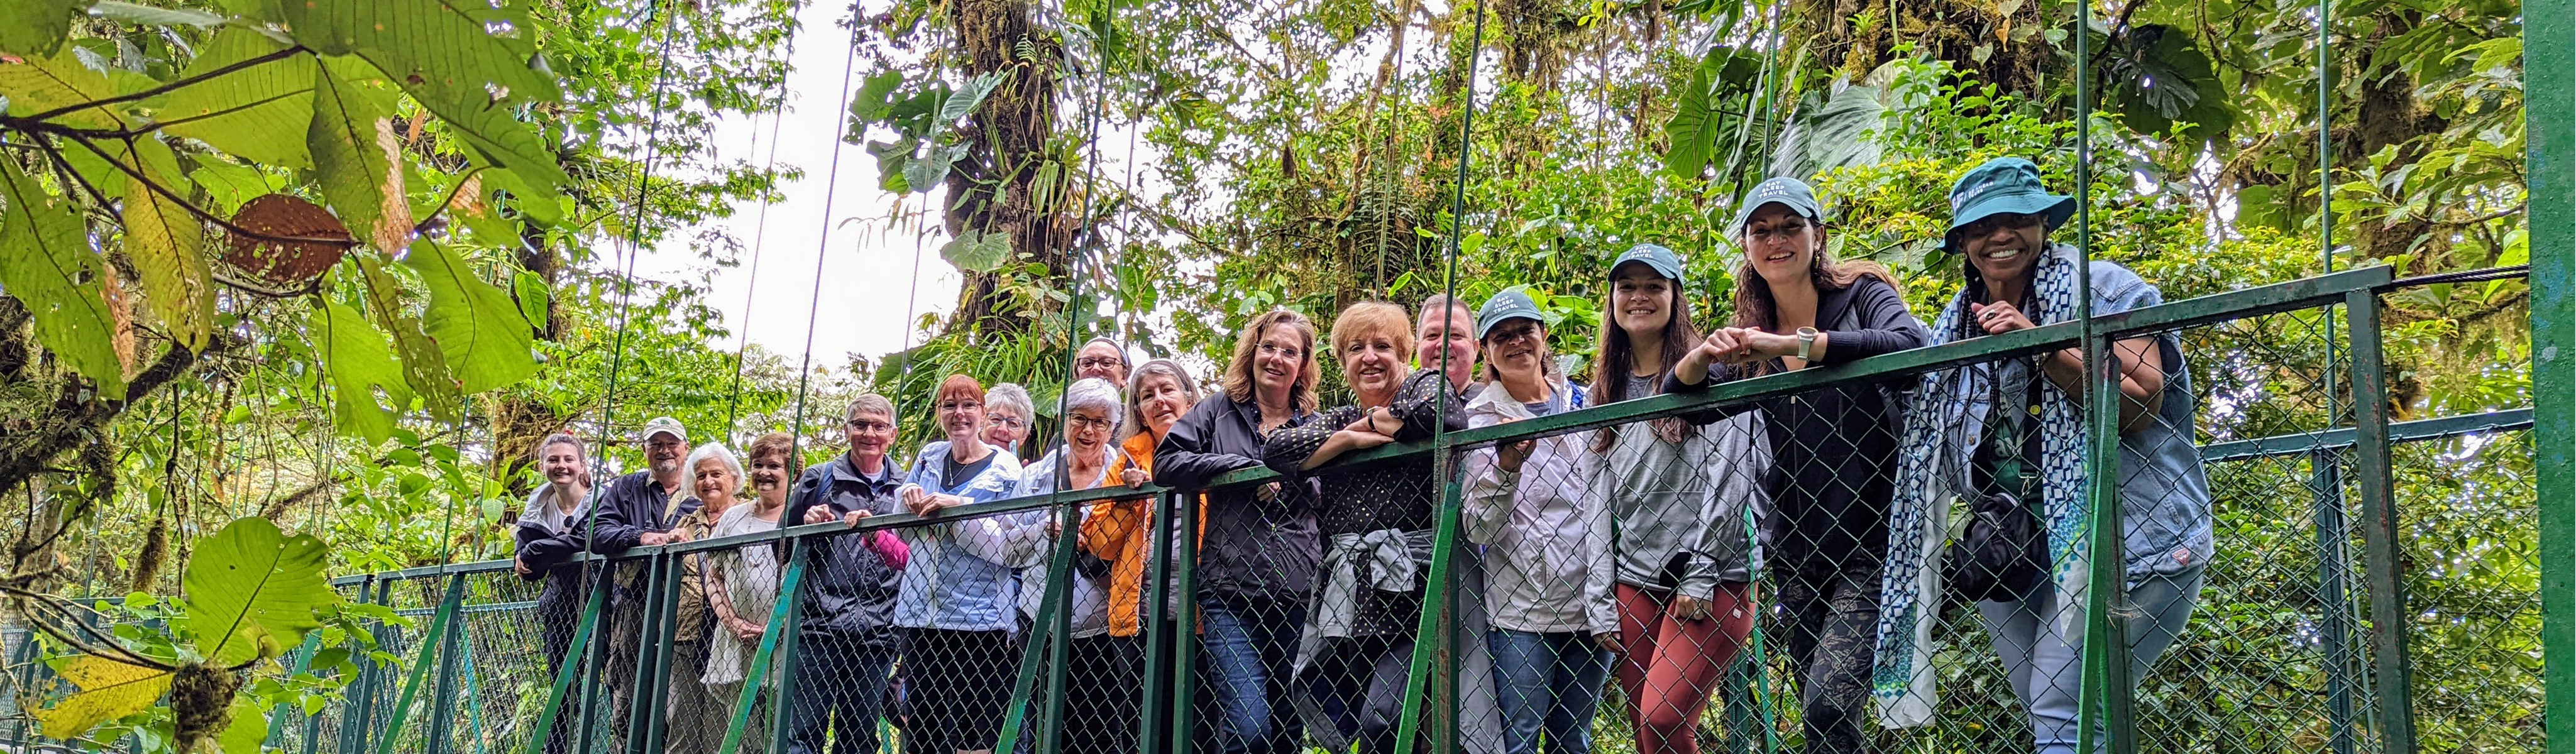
1833,454
2016,279
1678,489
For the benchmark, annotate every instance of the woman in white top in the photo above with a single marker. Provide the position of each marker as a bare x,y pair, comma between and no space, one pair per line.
742,583
1095,718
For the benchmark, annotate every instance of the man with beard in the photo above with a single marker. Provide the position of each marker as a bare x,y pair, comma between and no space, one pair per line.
636,509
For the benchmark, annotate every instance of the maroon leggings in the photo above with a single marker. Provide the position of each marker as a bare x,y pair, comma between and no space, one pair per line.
1669,665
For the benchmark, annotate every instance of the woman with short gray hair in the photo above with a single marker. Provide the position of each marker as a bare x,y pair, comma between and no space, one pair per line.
1008,416
1094,721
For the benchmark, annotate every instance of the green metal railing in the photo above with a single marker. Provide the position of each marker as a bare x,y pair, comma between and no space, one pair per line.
2363,709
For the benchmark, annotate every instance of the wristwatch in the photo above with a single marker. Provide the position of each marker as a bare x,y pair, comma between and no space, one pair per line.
1806,341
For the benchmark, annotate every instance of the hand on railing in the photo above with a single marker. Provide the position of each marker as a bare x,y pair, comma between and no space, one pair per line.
1135,477
519,566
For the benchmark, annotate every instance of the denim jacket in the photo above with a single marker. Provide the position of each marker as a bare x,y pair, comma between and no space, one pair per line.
2164,492
952,583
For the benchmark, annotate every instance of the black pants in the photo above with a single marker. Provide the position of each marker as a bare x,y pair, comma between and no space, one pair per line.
1363,690
1100,698
957,687
556,625
1828,622
839,682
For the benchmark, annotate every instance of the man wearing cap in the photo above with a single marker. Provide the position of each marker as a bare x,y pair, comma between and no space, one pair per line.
1546,540
1833,448
1440,341
2000,220
636,509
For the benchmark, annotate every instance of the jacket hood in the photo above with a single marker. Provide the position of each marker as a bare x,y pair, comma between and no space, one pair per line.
1492,398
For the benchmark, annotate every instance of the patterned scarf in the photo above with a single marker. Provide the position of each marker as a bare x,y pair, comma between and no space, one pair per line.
1942,428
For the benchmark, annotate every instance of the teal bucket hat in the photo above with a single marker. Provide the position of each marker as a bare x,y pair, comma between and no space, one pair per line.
1662,260
1784,191
2003,184
1507,305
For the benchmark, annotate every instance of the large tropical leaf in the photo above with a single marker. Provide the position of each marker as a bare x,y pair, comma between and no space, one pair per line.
356,155
260,113
354,354
1828,132
38,27
445,55
976,251
423,366
108,690
167,245
43,85
2154,77
478,326
1697,120
252,591
248,730
46,263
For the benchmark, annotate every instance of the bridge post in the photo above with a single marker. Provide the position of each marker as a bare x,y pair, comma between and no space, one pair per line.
2549,106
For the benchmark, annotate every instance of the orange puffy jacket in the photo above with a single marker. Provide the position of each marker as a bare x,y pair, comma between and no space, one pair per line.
1119,531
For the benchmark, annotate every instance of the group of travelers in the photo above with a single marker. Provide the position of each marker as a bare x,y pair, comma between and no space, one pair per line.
1625,553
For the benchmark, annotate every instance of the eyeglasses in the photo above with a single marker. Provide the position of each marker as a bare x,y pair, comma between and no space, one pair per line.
1097,362
1013,422
1986,226
862,425
959,405
1285,351
1079,422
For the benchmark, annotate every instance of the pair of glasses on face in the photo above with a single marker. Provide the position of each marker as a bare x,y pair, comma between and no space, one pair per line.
863,425
1779,233
1986,226
1086,424
959,405
1012,422
1288,352
1095,363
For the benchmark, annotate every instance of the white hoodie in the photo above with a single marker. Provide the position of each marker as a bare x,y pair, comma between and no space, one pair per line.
1548,566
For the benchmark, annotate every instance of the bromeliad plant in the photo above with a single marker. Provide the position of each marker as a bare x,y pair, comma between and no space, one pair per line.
252,593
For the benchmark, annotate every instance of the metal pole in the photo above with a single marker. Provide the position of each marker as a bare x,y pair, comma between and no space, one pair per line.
665,620
2379,527
2334,562
442,691
782,624
1185,623
2549,105
1152,726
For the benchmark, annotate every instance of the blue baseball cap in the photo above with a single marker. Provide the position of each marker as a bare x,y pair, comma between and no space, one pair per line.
1662,260
1509,304
1784,191
2003,184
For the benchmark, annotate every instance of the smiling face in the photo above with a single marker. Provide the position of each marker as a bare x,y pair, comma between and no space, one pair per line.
714,483
1447,333
1087,429
664,452
1517,348
871,433
561,463
1644,300
1100,360
1005,427
1781,243
769,476
961,418
1160,403
1372,365
1278,359
2004,246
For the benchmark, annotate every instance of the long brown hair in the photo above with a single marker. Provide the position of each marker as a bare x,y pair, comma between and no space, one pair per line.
1754,306
1611,364
1238,371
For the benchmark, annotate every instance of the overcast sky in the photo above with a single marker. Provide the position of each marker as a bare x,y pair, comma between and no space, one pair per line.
867,270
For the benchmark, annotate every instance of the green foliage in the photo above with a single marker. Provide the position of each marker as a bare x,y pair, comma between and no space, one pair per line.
480,328
45,263
252,591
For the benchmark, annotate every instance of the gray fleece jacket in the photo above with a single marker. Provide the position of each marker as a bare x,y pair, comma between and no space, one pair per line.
1681,508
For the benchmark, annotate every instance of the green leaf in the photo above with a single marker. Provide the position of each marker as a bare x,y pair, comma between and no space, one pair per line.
422,365
354,353
976,251
46,263
167,245
355,155
151,16
252,591
42,85
533,296
37,28
108,690
443,54
871,102
248,730
965,100
1692,131
478,326
1830,132
260,113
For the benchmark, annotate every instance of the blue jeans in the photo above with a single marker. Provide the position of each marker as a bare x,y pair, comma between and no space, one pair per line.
1249,644
2045,669
1549,682
835,693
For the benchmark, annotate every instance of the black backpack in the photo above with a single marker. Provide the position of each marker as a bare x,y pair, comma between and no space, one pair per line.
2003,554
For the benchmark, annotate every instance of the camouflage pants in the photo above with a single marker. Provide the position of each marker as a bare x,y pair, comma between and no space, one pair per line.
1828,622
